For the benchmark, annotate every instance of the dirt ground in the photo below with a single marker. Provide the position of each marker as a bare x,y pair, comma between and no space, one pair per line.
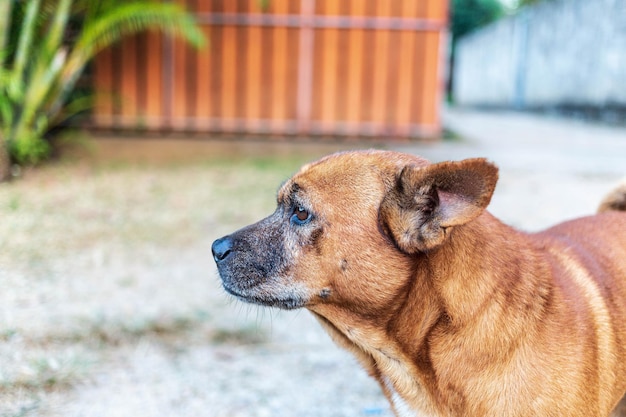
111,305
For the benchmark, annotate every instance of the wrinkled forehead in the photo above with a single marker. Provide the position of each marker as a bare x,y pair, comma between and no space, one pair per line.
349,173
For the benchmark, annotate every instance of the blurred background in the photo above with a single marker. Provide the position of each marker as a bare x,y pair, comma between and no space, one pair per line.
134,133
348,68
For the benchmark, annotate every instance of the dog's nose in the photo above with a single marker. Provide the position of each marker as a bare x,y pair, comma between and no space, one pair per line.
221,248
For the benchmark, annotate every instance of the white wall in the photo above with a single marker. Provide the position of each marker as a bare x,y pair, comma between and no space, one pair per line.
559,52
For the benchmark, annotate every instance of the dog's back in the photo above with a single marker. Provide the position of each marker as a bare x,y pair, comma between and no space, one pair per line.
600,237
592,250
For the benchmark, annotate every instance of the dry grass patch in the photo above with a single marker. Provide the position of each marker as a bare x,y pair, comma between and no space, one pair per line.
96,257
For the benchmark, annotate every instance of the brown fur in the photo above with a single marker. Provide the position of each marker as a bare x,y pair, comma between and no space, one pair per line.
453,312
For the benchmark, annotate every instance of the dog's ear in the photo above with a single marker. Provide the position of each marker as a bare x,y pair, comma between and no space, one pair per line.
426,201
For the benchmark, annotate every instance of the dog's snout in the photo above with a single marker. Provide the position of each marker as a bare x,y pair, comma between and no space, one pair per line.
221,248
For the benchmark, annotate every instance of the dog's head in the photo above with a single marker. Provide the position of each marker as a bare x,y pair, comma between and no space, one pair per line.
348,229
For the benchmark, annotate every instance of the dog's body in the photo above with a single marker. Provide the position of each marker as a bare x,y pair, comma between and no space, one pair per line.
453,312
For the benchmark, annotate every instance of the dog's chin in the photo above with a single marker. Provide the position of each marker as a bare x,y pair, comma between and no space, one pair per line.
290,302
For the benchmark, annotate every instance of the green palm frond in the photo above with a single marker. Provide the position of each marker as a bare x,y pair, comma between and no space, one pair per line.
122,19
5,21
58,26
39,65
133,17
26,38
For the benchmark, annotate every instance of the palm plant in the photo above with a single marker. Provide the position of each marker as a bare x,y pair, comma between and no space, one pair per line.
40,64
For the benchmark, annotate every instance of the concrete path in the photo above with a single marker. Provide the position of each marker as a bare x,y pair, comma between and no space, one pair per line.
542,142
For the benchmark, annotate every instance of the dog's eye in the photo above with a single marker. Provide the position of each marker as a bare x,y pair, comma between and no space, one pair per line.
300,215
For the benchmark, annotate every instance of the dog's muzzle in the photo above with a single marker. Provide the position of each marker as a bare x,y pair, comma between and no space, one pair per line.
254,272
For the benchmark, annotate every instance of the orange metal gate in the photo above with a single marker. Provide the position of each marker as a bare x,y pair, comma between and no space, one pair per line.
349,67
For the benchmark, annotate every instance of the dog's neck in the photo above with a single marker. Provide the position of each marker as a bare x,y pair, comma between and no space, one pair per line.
487,275
458,291
482,265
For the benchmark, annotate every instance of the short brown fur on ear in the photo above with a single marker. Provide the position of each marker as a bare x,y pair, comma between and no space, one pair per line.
426,201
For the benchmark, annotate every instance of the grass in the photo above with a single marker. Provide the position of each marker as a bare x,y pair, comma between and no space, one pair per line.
72,207
96,256
245,335
44,372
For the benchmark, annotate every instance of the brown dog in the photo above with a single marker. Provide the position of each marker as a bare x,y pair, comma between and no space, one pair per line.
453,312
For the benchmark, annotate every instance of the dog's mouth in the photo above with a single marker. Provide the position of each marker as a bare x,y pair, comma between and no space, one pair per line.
268,300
